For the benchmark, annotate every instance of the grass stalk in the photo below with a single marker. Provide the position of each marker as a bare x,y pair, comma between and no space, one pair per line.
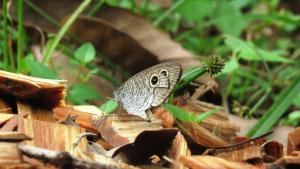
168,12
96,7
20,35
49,51
42,13
5,36
277,109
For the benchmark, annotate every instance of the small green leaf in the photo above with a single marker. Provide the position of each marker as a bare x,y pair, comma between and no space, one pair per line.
297,101
81,93
109,106
230,66
228,19
85,53
292,119
37,69
250,52
193,10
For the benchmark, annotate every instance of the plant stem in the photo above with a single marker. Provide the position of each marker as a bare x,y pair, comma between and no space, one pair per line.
5,36
20,35
64,29
96,8
168,12
42,13
260,101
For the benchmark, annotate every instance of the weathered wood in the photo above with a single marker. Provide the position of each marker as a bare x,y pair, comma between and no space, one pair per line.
35,112
51,136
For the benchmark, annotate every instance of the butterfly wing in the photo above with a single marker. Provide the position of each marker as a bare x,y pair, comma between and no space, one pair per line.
174,72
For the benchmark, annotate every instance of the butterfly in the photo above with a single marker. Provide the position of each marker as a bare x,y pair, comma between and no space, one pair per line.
148,88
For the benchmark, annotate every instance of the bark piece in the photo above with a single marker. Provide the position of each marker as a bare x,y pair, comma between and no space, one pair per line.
35,113
119,130
43,92
51,136
210,162
9,153
179,148
293,141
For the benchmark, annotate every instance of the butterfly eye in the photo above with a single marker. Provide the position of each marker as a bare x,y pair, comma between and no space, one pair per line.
164,72
154,80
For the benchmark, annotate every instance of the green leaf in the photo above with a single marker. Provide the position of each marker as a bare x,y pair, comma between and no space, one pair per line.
292,119
178,112
37,69
296,101
204,115
109,106
250,52
185,116
228,19
278,108
230,66
85,53
193,10
81,93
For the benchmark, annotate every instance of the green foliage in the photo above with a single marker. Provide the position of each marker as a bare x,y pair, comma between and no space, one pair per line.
194,10
81,93
85,53
185,116
109,106
292,119
281,104
250,52
38,69
228,19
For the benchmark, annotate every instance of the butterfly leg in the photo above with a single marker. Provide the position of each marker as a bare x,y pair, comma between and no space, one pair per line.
150,116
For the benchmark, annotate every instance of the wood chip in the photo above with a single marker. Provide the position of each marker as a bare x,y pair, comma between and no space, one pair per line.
210,162
13,136
52,136
119,130
83,119
9,153
4,117
179,148
43,92
35,113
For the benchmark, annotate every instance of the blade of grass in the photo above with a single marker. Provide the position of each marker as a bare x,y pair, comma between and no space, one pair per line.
5,36
49,51
281,104
42,13
168,12
96,7
20,35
